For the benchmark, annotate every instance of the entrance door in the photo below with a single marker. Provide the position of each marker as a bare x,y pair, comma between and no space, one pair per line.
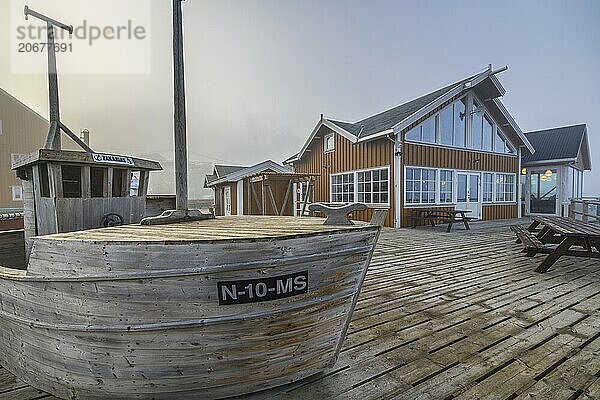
469,193
543,197
227,200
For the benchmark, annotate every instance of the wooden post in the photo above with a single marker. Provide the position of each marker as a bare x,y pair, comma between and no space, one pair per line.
53,140
264,197
585,211
181,178
109,183
86,184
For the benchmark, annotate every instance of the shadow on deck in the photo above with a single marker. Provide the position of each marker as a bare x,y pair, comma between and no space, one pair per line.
458,316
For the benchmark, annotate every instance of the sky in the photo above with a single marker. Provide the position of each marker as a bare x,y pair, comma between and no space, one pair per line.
259,73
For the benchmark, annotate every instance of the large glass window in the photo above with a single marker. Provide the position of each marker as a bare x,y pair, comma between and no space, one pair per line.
428,134
488,187
420,185
460,108
488,133
446,186
505,187
342,188
476,126
446,125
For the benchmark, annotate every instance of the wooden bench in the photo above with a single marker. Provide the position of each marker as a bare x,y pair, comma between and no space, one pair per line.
531,243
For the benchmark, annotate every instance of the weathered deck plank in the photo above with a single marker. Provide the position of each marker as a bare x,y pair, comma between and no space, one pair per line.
459,316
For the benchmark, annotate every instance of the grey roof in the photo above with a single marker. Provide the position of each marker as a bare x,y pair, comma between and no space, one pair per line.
210,178
222,170
387,119
556,143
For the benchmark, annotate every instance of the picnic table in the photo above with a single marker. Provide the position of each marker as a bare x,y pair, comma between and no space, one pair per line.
544,232
431,215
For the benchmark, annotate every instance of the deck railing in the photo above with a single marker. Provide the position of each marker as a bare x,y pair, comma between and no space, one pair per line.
586,209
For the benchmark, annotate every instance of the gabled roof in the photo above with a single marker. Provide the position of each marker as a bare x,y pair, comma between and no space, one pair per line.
394,120
229,173
223,170
566,144
388,119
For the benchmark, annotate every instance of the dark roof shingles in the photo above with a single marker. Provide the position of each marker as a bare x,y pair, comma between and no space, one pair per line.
555,144
387,119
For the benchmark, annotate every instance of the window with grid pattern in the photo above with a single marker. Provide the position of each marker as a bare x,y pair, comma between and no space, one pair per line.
342,188
420,186
446,184
373,186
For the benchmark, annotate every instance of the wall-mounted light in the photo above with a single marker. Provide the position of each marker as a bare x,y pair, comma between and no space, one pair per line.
548,173
524,171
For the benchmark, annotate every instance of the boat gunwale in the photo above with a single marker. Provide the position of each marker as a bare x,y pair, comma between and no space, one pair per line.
172,273
337,230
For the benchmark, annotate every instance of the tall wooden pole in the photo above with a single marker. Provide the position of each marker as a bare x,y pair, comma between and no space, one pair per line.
53,140
181,173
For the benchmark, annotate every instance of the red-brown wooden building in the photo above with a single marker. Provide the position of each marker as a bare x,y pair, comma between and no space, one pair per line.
455,147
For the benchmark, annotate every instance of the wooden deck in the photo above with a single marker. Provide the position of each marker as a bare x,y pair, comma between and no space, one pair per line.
457,316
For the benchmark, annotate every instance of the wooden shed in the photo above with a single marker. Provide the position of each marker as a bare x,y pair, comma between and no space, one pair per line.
266,188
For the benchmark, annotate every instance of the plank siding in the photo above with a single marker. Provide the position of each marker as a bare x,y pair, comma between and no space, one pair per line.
347,156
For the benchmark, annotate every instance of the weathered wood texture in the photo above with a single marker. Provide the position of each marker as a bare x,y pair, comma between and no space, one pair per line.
347,157
437,321
253,201
133,312
12,249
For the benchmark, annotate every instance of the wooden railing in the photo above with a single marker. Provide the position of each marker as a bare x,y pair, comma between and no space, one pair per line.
586,209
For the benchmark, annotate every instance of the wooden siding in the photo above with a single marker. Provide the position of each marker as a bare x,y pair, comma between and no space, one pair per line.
443,157
279,188
348,156
220,199
499,211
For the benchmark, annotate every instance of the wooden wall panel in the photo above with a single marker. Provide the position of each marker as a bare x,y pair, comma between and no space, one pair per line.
347,156
499,211
443,157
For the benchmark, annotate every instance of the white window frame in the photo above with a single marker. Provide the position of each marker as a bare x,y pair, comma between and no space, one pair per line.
355,183
438,202
227,200
483,200
325,141
514,188
17,193
436,185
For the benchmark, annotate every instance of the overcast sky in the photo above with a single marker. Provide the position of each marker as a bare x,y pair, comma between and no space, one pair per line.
259,73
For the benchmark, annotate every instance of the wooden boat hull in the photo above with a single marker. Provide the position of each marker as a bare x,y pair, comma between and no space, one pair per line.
124,319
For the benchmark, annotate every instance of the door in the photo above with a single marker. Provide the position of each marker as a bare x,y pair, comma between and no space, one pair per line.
469,193
227,200
543,197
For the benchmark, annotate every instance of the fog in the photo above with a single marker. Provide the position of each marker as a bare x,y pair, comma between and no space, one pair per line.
259,73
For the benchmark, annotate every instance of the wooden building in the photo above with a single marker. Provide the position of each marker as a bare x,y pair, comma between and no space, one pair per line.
455,147
22,130
553,175
267,188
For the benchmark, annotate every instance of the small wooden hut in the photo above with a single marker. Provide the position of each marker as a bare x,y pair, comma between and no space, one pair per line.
65,191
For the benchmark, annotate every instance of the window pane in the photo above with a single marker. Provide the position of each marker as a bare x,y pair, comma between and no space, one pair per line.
476,128
488,132
459,122
473,188
414,133
462,188
446,126
499,146
429,130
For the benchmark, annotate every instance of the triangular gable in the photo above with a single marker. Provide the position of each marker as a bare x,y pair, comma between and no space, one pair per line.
244,172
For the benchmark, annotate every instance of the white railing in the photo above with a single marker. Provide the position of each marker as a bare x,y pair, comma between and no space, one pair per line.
586,209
